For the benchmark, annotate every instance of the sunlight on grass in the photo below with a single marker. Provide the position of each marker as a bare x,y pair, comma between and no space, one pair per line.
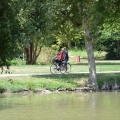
53,82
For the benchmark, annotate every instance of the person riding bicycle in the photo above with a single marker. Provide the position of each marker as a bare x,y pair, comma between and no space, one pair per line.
59,59
65,55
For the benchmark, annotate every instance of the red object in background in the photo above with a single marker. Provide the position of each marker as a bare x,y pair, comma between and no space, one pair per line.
77,59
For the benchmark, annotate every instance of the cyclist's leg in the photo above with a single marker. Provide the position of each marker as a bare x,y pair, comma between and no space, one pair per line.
59,63
68,68
56,62
64,64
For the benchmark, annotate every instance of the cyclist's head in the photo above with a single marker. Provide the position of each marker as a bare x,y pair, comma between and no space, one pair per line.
63,49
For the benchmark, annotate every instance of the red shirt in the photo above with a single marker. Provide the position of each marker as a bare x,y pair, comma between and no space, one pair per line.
60,56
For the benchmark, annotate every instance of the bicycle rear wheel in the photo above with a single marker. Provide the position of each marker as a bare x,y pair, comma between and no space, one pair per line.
53,69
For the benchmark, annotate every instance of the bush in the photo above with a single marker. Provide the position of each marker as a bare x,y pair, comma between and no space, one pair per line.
17,61
46,56
113,50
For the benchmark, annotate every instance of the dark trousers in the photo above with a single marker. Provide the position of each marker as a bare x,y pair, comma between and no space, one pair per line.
59,62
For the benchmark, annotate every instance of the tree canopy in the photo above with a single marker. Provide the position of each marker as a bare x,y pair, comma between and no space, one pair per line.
8,32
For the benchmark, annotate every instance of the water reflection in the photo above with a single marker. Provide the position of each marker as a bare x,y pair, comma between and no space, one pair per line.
63,106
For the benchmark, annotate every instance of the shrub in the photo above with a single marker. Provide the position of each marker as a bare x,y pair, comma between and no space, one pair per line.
18,62
46,56
2,89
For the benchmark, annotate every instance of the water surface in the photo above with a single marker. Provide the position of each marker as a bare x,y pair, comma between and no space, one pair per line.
63,106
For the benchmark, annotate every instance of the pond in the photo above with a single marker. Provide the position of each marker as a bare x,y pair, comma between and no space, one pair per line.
60,106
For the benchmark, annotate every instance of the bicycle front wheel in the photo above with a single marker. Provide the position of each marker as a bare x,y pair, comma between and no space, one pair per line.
53,69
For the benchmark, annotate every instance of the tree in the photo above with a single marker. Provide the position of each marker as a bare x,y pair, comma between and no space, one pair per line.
23,24
8,32
89,15
108,37
79,14
111,37
32,20
68,34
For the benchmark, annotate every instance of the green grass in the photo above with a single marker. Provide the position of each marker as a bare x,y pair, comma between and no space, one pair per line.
52,82
101,66
31,83
60,81
83,54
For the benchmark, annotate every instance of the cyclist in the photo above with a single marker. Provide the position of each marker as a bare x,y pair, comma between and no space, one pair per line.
65,55
59,59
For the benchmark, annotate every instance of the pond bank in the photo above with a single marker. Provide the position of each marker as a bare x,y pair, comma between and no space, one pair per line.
44,91
57,82
27,91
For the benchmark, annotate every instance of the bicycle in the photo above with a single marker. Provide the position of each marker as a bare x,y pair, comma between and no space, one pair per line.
54,68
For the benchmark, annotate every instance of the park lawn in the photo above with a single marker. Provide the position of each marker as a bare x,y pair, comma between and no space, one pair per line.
101,66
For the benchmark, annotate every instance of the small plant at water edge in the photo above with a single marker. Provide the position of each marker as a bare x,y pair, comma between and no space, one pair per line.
2,89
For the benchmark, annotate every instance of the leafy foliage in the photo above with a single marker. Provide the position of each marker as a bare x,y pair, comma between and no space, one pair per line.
8,33
36,23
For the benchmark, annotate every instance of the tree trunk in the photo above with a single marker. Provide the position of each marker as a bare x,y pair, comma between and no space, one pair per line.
91,60
91,64
27,55
32,52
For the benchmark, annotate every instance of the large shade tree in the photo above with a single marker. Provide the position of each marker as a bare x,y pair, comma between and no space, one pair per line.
8,32
89,15
32,19
23,25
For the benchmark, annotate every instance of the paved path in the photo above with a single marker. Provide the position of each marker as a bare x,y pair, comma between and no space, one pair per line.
41,74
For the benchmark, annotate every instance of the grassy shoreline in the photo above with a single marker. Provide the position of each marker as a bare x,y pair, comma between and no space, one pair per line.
52,82
59,81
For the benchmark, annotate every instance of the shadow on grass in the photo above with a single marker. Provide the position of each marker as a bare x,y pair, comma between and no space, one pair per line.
64,77
78,77
98,63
